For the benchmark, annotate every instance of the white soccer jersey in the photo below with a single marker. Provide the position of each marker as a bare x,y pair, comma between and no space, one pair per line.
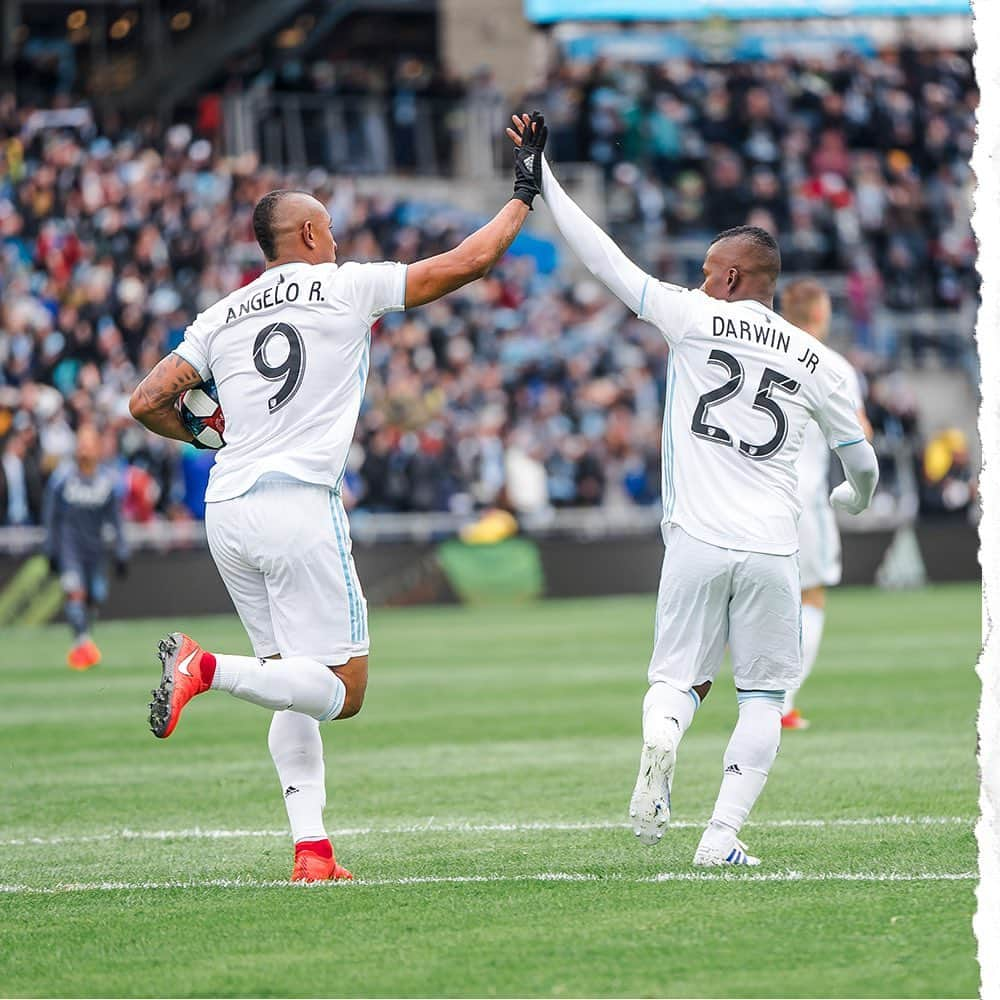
289,354
743,385
814,462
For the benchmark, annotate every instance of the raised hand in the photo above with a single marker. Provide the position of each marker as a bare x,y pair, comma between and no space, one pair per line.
529,143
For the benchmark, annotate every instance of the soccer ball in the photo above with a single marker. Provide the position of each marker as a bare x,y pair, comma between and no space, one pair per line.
202,416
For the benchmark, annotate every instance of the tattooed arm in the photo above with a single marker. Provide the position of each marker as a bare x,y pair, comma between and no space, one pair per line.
427,280
154,401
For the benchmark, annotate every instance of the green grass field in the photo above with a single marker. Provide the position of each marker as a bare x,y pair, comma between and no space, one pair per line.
480,800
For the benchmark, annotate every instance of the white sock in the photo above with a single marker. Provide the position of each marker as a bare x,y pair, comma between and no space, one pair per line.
297,751
812,635
298,683
666,714
748,758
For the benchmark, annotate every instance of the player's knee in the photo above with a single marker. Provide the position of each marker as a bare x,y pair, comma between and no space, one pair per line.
354,675
702,689
353,702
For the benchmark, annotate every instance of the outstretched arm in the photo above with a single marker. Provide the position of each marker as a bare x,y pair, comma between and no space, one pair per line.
599,253
473,257
429,279
154,402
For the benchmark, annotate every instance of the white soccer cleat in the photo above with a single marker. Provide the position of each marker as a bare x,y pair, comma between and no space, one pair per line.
707,857
650,805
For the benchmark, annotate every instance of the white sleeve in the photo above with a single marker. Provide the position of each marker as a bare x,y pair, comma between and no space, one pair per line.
672,309
837,415
376,289
860,464
598,252
194,347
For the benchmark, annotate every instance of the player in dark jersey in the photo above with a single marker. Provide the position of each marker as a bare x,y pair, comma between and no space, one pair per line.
81,505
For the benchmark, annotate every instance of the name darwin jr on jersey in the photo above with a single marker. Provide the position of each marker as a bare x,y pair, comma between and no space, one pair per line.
742,387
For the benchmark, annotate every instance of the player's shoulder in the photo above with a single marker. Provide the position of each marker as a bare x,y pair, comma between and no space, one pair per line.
356,270
672,307
668,291
840,364
836,367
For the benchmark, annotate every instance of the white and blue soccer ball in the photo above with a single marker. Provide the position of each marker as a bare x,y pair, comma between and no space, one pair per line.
202,416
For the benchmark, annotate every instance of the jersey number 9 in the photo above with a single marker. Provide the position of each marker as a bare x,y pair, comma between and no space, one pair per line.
289,371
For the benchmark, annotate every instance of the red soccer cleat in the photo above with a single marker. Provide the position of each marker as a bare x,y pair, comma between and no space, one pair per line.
187,671
315,862
794,720
83,655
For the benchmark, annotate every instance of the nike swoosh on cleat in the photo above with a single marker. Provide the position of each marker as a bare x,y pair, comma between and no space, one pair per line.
182,667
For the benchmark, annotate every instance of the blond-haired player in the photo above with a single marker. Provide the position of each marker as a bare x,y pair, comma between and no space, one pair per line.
806,303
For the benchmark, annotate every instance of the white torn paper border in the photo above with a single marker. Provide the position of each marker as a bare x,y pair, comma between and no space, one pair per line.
986,222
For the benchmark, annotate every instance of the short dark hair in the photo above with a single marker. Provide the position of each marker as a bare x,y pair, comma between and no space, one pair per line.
764,244
264,214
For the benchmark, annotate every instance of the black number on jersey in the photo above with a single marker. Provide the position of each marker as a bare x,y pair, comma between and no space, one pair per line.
769,381
290,371
725,391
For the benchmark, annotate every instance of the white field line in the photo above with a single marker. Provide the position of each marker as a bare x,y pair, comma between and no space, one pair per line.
430,826
732,877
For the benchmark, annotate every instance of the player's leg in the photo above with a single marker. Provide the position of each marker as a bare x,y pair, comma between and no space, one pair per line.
318,610
819,567
74,585
97,594
764,641
689,640
813,618
303,684
297,751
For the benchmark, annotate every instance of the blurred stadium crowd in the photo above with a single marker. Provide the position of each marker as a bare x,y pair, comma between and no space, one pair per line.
525,389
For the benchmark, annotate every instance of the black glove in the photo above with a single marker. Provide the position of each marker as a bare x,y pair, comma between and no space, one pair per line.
121,568
528,159
54,565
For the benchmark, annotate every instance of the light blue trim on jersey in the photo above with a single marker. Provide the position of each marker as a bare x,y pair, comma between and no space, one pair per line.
642,298
669,488
695,698
346,566
363,365
846,444
354,584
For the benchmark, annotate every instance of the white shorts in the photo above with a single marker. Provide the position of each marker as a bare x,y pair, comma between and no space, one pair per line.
819,544
710,596
283,550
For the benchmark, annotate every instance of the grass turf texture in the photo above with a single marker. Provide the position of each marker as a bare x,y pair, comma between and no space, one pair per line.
490,717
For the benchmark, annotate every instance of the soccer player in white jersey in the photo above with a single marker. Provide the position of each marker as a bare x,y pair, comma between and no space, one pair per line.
289,355
806,304
742,386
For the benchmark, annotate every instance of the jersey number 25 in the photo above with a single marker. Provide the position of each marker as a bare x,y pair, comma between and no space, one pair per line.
769,381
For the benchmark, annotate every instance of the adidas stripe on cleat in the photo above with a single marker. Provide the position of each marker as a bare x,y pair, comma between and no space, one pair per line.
737,855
